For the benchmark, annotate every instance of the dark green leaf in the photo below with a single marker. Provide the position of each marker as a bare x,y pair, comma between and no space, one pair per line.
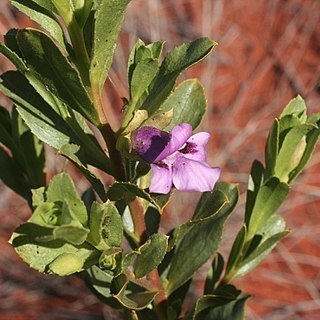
269,198
198,239
43,17
188,103
70,151
51,66
272,148
150,254
271,232
214,273
177,60
134,301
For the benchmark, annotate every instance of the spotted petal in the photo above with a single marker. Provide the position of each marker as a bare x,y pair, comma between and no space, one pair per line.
179,136
161,180
190,175
195,147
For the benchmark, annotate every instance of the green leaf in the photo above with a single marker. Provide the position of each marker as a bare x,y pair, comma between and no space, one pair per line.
70,151
214,273
134,301
141,52
43,17
269,198
99,281
12,175
142,76
177,60
31,152
291,151
52,125
61,188
271,232
236,250
64,9
272,148
296,107
128,191
51,66
108,20
198,239
39,255
225,303
311,140
188,103
105,225
256,179
150,254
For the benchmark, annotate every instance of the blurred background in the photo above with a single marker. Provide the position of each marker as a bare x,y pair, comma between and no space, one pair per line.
268,52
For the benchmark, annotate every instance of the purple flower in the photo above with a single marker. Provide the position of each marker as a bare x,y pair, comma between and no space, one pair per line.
177,158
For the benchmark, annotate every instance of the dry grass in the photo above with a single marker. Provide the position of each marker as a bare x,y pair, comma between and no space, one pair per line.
268,52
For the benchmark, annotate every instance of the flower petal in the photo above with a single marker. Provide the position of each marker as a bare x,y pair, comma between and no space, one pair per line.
161,180
195,147
149,142
179,136
190,175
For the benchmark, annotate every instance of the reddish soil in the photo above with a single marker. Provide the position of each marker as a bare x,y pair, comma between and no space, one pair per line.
268,52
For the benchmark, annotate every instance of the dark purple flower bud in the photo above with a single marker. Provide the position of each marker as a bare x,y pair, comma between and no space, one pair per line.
149,142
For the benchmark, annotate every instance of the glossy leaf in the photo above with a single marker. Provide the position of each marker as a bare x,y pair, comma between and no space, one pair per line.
198,239
108,19
177,60
188,103
52,67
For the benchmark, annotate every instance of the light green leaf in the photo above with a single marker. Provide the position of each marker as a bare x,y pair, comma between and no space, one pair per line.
105,225
291,151
39,255
61,188
108,20
296,107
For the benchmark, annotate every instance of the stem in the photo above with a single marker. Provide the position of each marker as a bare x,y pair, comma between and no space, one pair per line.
137,213
116,160
160,301
80,51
